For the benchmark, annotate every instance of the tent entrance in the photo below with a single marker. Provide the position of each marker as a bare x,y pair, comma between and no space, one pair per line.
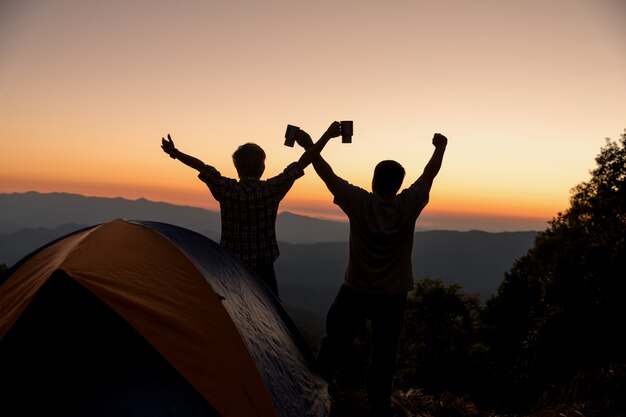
70,354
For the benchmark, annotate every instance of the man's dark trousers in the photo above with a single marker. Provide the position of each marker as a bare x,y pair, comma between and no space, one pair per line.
348,313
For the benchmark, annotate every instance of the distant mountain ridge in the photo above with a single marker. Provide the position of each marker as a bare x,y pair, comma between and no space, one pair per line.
51,210
29,220
309,275
314,252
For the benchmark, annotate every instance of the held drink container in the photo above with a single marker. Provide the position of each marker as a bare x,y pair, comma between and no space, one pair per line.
346,131
290,135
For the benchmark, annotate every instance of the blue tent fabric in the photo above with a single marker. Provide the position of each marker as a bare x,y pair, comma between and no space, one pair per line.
281,354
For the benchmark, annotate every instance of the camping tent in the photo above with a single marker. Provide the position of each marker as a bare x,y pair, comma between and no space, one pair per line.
144,318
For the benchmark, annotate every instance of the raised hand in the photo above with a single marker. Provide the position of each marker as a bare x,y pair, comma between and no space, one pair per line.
168,145
439,140
304,139
334,130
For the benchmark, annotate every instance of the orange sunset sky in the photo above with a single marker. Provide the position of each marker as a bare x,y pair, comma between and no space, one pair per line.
526,92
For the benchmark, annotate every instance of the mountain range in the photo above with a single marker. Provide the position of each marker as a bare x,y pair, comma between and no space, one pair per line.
314,252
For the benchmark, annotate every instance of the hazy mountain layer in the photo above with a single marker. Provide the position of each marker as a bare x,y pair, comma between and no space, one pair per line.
313,251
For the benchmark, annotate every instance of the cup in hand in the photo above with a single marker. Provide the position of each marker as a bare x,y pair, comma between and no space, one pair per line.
290,135
346,131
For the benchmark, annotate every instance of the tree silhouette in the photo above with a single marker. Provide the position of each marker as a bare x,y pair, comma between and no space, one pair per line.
439,337
559,312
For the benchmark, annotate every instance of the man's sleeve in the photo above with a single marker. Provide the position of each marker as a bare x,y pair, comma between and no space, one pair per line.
214,180
282,183
348,196
420,190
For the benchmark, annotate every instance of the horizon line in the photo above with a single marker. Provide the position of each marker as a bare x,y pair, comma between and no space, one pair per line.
444,220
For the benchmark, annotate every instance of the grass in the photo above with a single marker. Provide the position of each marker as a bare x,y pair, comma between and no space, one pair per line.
350,402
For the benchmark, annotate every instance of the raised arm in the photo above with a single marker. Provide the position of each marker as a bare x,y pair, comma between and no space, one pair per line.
322,167
312,152
326,173
434,165
169,148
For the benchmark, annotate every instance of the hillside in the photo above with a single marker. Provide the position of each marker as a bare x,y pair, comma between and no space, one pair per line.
313,251
37,210
309,275
32,219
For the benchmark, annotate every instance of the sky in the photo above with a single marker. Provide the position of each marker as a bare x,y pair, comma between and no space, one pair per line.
525,91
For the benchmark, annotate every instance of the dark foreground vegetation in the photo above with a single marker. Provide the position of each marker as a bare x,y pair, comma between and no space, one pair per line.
550,342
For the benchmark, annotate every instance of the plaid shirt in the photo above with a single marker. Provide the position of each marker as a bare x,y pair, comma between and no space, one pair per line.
248,209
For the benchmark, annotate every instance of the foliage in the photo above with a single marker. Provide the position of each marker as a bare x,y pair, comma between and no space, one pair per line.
349,402
559,312
438,346
415,402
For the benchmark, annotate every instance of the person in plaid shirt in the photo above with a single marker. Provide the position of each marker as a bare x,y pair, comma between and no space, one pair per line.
249,206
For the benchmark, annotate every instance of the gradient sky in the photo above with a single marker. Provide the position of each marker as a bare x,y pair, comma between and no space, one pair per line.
526,92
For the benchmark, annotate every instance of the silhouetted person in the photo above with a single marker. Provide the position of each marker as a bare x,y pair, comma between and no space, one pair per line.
379,272
249,206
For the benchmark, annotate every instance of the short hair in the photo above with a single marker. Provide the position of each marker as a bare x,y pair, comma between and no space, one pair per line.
249,160
388,177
